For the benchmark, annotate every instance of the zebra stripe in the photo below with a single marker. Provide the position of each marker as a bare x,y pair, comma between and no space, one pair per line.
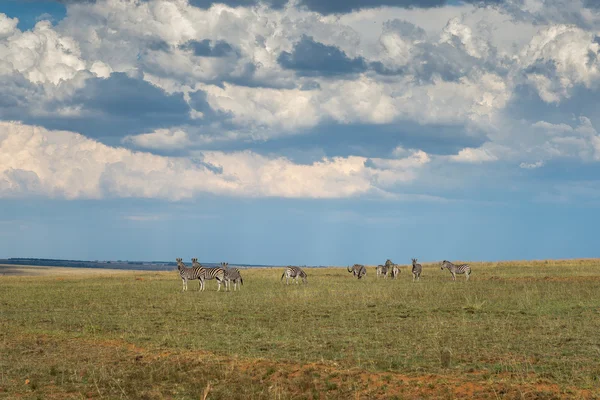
456,269
232,275
294,273
416,269
358,270
188,274
209,273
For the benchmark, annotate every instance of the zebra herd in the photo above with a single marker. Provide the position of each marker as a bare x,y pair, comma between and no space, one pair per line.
222,274
389,267
225,275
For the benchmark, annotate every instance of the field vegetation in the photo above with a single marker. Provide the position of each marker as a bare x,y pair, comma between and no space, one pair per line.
515,330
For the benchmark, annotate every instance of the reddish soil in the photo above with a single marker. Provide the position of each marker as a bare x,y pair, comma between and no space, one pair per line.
288,379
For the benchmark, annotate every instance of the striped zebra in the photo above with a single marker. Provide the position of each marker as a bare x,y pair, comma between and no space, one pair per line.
232,275
294,273
358,270
416,269
392,268
382,270
395,271
457,269
188,274
217,273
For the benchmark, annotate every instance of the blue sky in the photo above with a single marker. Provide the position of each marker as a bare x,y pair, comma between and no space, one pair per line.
299,132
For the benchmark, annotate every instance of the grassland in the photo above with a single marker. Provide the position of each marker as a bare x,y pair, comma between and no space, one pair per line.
515,330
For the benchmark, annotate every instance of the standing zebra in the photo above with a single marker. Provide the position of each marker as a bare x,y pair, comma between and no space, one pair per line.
189,274
395,271
457,269
392,268
416,269
382,270
294,273
358,270
209,273
232,275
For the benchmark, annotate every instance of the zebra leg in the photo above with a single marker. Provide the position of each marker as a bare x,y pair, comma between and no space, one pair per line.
453,276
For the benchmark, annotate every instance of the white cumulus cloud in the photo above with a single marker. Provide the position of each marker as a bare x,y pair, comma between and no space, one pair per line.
36,161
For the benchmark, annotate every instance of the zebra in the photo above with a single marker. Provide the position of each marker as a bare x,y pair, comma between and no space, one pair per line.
393,268
209,273
232,275
395,271
457,269
382,270
358,270
189,274
294,273
416,269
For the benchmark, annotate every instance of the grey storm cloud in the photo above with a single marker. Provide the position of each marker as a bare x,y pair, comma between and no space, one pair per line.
116,106
209,48
311,58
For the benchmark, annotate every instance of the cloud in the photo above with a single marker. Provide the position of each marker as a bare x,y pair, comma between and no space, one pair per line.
41,55
537,164
474,156
346,6
312,58
238,3
558,59
8,25
119,105
160,139
208,48
60,164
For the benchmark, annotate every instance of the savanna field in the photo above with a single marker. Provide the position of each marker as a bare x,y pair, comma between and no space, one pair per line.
515,330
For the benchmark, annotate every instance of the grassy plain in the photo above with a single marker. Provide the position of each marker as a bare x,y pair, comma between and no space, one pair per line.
515,330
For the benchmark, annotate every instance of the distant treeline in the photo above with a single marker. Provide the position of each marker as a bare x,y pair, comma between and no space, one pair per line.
119,264
134,265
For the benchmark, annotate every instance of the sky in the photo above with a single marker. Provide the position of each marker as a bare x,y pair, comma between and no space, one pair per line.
299,132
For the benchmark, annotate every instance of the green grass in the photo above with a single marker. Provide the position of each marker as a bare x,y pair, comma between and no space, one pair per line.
121,337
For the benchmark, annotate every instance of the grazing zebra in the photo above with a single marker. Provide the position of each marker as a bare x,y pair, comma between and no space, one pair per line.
416,269
382,270
294,273
457,269
232,275
188,274
209,273
358,270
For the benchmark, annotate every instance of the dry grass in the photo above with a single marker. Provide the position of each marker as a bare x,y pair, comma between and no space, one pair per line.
515,330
